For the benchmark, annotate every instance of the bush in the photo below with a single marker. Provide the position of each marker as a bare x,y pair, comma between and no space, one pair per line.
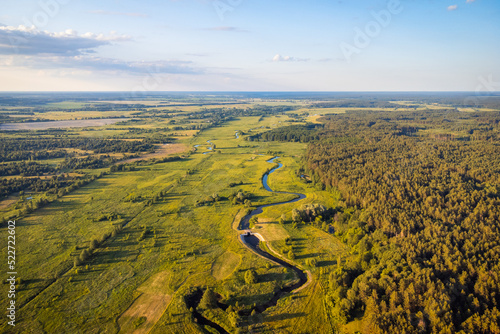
312,262
76,262
251,277
209,299
139,321
84,255
94,244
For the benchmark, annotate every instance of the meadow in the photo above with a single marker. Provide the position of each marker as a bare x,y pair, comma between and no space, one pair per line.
129,251
137,279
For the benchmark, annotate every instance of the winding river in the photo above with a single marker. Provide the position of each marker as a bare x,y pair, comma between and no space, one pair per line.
252,241
210,148
245,221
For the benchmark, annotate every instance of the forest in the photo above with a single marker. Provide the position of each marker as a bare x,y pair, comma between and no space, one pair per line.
15,149
420,213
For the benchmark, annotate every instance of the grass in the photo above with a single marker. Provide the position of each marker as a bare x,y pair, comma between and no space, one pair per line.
271,231
185,246
303,313
225,265
147,309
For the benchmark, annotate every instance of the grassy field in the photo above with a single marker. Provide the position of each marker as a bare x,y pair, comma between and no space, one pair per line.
160,236
152,251
136,281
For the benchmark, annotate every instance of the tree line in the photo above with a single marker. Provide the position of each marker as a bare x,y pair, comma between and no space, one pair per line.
420,214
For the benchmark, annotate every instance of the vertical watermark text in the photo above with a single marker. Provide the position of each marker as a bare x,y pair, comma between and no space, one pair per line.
11,272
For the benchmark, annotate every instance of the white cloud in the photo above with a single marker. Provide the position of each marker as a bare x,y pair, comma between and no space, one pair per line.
452,7
468,1
280,58
23,40
28,47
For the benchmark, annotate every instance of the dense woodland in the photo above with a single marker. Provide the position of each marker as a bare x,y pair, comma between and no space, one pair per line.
24,168
11,148
357,103
22,158
421,214
294,133
56,185
420,211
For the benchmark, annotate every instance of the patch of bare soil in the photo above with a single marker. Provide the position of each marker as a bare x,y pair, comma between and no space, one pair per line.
163,151
146,310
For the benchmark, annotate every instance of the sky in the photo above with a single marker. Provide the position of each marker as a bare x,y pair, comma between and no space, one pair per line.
250,45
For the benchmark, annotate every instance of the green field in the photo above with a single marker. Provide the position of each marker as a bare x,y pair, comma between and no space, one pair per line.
125,252
136,281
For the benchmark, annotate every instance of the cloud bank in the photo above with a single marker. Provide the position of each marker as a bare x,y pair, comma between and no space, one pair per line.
31,41
31,48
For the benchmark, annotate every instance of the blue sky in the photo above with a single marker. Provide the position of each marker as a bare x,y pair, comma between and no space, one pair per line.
250,45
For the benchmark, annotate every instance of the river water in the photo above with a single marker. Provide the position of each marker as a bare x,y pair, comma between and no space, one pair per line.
245,221
253,242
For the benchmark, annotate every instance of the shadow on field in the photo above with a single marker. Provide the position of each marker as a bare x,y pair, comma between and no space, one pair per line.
258,198
262,298
264,278
298,248
34,280
305,256
25,223
56,207
171,195
299,239
124,243
114,256
326,263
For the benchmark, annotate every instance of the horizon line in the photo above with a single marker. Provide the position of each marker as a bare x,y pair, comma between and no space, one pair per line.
250,91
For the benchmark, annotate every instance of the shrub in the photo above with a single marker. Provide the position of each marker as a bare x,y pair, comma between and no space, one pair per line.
209,299
251,277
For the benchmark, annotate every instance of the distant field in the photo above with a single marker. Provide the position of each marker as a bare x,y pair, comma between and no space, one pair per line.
59,124
65,105
60,115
